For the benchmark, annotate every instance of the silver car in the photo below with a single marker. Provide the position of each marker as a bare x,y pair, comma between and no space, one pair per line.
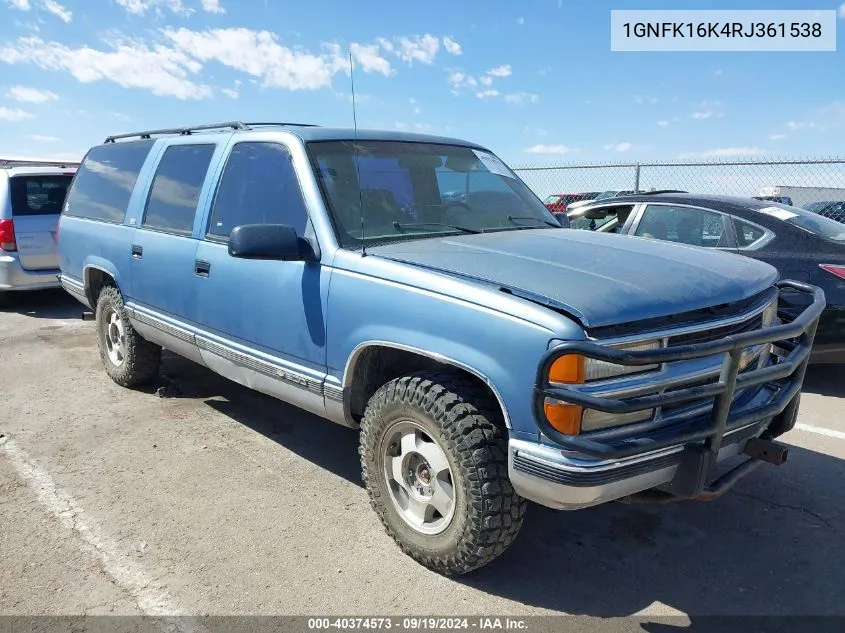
32,194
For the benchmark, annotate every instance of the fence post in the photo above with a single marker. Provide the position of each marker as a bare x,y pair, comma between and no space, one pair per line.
637,178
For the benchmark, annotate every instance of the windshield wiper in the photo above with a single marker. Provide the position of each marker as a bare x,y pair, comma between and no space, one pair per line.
399,227
528,217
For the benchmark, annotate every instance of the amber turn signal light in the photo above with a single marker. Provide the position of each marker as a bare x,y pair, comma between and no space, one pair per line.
565,418
568,369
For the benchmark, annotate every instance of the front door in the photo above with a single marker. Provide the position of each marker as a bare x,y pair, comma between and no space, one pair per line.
265,319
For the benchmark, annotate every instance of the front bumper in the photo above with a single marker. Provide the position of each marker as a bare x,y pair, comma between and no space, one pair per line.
14,277
684,458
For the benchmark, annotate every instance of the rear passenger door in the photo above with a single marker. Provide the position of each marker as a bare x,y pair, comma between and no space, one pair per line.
685,225
163,246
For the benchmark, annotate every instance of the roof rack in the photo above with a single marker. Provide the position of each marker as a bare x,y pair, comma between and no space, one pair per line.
8,163
651,193
186,131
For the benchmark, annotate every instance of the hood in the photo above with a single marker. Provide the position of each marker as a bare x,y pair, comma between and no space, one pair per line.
601,279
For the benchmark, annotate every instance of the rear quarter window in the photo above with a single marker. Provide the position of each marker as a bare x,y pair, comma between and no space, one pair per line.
38,195
105,180
812,223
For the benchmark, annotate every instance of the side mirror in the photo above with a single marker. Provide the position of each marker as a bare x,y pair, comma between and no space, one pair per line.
266,241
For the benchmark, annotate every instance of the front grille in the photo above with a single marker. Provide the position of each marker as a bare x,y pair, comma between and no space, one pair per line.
704,336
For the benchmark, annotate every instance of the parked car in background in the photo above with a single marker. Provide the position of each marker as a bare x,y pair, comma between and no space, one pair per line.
782,199
800,244
557,203
414,288
603,195
833,209
32,194
800,196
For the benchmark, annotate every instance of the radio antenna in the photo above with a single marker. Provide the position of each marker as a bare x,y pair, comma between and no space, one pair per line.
357,156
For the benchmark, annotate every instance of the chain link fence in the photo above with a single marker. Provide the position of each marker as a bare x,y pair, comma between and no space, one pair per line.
801,181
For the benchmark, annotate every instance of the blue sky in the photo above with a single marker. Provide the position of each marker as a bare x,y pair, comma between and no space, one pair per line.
535,81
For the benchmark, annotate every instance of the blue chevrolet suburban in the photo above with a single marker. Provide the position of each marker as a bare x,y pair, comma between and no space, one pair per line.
412,287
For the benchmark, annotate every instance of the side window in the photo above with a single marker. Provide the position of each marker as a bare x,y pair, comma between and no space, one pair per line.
105,180
175,192
747,234
258,186
684,225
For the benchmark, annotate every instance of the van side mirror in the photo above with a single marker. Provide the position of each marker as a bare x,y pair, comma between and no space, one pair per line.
267,241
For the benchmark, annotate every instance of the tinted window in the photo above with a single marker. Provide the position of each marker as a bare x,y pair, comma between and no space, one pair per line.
105,180
806,220
38,195
258,186
172,203
684,225
747,234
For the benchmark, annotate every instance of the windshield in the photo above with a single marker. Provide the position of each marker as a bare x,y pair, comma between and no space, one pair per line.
410,190
807,220
553,199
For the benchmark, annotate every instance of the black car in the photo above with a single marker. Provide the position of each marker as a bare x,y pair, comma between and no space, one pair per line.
802,245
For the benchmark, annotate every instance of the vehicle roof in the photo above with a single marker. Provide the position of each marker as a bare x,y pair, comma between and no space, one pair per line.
36,170
724,203
309,133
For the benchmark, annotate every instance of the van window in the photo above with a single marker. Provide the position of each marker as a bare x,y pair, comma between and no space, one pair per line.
258,186
105,180
175,192
38,195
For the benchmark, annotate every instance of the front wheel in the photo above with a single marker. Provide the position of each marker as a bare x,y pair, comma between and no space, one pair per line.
433,455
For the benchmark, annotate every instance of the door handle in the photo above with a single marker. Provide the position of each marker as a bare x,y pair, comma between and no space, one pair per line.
202,268
137,251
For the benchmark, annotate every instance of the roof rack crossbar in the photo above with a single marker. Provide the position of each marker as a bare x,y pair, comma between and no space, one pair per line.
254,124
182,131
13,162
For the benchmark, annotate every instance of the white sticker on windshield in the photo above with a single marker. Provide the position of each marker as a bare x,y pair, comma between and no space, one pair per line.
493,164
780,214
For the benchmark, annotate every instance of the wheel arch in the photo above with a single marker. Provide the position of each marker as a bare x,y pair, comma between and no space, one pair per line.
95,277
372,364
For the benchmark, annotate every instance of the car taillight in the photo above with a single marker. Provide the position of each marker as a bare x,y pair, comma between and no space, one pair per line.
834,269
7,236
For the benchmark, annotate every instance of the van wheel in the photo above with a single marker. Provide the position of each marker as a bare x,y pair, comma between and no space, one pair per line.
129,359
433,455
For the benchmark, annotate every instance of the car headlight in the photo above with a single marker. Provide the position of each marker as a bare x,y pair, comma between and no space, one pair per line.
576,369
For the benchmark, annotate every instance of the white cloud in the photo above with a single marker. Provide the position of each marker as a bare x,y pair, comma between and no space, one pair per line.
777,137
140,7
842,10
707,110
212,6
487,94
641,100
22,5
51,6
41,138
369,59
619,147
520,21
487,80
451,46
726,152
415,105
706,114
30,95
14,115
232,94
421,48
829,116
500,71
521,97
163,71
549,149
663,123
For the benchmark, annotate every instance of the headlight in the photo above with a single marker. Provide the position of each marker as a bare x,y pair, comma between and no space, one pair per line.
577,369
770,313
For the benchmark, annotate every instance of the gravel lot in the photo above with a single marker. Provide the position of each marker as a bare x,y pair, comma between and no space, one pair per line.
221,501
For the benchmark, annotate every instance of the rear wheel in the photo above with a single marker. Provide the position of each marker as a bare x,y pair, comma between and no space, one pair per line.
433,454
129,359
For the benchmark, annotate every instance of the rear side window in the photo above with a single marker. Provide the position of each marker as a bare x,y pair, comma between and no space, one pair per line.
38,195
747,234
259,186
105,180
175,192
